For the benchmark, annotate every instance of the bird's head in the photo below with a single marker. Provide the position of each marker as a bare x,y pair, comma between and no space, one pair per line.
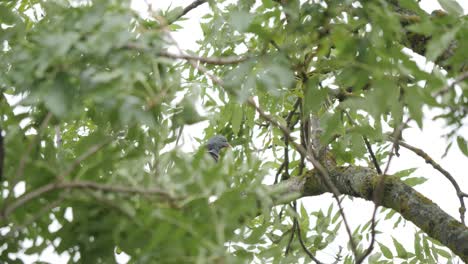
215,144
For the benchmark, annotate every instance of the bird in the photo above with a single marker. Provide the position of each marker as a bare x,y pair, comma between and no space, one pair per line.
215,144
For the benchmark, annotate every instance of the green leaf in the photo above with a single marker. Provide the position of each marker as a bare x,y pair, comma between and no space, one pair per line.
451,6
414,181
405,173
439,43
241,20
237,116
56,101
386,251
417,247
461,142
401,251
314,96
7,16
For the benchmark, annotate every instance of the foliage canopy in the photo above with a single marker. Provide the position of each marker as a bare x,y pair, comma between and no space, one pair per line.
92,104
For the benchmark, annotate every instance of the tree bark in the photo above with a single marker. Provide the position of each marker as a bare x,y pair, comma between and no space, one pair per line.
413,206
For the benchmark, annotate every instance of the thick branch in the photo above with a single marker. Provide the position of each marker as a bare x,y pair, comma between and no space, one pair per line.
412,205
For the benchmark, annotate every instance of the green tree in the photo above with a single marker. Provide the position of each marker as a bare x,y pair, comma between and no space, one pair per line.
92,104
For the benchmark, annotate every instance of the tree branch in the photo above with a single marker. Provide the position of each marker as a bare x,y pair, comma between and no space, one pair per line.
413,206
36,193
207,60
447,88
187,9
447,175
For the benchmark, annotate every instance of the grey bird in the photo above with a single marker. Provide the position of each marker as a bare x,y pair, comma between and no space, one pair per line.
215,144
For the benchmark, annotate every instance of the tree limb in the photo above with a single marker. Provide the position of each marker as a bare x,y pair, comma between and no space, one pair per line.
413,206
447,175
187,9
36,193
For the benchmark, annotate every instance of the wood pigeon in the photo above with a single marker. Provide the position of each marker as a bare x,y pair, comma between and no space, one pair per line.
215,144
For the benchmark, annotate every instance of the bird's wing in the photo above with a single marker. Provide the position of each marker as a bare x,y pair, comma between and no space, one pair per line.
214,155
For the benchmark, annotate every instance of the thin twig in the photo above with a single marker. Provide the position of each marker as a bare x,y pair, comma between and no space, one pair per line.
188,57
379,191
91,151
25,157
373,157
207,60
368,146
278,172
36,216
448,87
187,9
286,175
447,175
291,237
299,236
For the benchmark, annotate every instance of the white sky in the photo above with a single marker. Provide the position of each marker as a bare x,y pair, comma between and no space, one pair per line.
358,211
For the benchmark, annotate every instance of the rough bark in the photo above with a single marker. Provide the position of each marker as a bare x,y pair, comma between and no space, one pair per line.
412,205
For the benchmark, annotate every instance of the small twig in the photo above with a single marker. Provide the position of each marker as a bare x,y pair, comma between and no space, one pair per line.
183,56
448,87
299,236
286,175
371,153
111,204
207,60
24,158
93,149
187,9
338,256
379,191
181,130
291,237
323,174
36,216
278,172
368,146
447,175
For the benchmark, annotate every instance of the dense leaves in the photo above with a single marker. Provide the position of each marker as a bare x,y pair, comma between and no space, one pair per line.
92,109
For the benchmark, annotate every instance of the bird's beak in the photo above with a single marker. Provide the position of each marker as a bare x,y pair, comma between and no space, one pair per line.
228,145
